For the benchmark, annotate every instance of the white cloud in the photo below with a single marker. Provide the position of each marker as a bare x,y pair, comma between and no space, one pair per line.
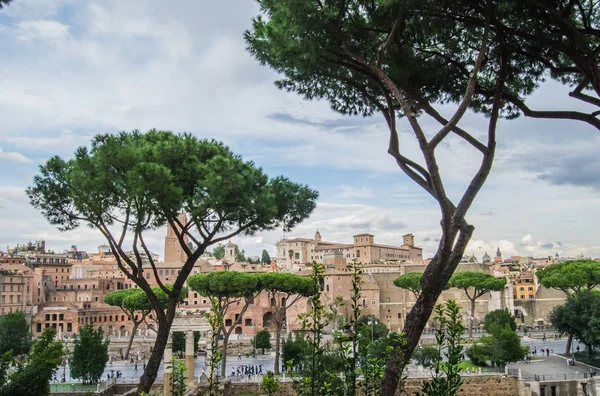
11,156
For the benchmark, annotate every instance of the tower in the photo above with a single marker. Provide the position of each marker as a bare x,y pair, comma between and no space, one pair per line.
409,240
230,252
318,236
173,249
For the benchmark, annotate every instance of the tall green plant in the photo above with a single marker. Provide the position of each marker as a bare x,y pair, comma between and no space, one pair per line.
179,379
316,379
215,319
446,379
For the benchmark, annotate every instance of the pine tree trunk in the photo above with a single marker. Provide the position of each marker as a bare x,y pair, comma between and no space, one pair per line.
135,327
162,336
569,342
471,319
224,354
435,278
277,347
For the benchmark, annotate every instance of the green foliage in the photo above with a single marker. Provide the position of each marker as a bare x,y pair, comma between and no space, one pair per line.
225,284
15,333
219,251
294,350
479,281
497,320
446,379
179,342
475,285
90,354
499,349
179,379
502,346
426,354
317,377
571,276
269,383
240,255
265,258
580,317
411,282
33,377
262,340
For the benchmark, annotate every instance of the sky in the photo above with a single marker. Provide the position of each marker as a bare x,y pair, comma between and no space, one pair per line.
72,69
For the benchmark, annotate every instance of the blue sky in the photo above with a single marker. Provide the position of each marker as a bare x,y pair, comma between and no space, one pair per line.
72,69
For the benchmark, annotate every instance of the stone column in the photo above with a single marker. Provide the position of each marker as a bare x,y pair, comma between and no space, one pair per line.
189,356
168,362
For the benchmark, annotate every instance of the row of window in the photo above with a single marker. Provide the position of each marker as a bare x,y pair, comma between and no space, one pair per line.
19,288
10,299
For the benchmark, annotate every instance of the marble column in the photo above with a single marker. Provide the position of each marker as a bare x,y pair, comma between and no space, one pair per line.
168,364
189,356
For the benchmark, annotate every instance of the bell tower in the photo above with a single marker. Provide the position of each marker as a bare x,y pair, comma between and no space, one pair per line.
173,251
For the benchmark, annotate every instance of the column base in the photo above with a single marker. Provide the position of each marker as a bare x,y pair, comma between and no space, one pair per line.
189,365
167,386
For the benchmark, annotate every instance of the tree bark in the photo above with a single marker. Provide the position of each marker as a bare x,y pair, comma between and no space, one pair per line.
471,319
569,342
224,353
434,281
135,326
162,335
277,347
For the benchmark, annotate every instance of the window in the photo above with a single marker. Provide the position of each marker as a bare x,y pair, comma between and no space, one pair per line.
61,317
160,272
339,288
521,289
247,322
148,275
530,288
373,301
227,322
357,253
38,327
399,315
389,299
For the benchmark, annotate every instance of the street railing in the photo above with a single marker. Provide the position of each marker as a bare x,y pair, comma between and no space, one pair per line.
555,377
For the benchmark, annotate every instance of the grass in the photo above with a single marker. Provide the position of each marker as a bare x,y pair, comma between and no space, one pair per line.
583,357
61,387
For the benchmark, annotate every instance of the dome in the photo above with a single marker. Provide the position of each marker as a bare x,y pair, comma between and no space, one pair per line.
485,258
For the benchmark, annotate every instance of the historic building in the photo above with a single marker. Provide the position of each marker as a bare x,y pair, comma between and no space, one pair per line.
297,252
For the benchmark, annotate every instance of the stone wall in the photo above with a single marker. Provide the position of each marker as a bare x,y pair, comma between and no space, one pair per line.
483,385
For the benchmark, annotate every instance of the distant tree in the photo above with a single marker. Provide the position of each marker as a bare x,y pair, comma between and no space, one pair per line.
283,290
294,349
34,376
265,259
127,185
410,282
179,342
499,319
500,348
262,340
580,317
425,354
136,305
572,277
475,285
15,333
219,251
228,288
90,354
240,255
